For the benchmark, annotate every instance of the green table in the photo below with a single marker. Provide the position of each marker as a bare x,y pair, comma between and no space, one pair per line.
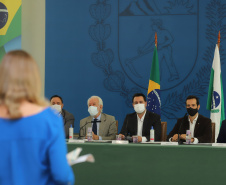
151,164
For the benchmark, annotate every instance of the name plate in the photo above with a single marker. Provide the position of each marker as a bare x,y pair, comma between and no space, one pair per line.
219,144
76,141
120,142
169,143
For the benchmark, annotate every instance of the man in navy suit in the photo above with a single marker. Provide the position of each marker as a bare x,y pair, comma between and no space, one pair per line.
140,122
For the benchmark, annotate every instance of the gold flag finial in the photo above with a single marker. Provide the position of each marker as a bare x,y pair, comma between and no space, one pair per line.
219,40
156,39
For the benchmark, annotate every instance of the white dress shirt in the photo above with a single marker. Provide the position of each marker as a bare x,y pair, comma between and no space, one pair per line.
192,128
140,127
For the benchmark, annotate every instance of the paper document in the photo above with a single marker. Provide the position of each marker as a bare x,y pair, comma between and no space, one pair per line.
219,144
76,141
120,142
169,143
73,157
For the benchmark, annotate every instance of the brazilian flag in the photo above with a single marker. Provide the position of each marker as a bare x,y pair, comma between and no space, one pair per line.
153,99
10,22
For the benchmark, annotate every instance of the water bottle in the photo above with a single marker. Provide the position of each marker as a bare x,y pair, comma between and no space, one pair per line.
152,134
188,137
89,134
71,132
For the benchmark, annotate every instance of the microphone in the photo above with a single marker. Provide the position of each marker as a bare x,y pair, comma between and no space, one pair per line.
96,121
79,136
126,128
179,141
128,137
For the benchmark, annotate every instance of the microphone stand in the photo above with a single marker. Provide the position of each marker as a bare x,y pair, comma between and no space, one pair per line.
79,136
126,129
179,141
129,138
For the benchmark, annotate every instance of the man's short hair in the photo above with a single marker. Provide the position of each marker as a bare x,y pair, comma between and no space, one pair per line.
56,96
99,99
139,94
193,97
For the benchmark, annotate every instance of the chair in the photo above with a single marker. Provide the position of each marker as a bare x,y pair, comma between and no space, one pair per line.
116,122
213,132
163,131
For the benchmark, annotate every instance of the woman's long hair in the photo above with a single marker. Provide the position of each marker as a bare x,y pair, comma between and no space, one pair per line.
19,81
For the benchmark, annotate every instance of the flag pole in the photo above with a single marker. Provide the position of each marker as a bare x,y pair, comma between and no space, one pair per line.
219,40
153,95
156,39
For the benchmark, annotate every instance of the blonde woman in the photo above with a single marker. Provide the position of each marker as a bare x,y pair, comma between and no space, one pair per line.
32,144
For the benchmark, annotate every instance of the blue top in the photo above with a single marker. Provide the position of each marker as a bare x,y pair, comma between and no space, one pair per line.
33,151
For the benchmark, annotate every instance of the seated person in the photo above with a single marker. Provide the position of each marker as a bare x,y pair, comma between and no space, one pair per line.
200,126
57,104
103,125
140,122
222,134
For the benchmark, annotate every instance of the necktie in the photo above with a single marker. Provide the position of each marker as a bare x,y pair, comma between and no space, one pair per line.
95,126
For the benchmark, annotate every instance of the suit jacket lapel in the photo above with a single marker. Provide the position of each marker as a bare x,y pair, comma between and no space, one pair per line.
102,124
63,115
197,125
186,126
134,124
88,121
145,122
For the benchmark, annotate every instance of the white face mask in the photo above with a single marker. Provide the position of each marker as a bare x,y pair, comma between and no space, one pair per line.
139,108
56,107
93,110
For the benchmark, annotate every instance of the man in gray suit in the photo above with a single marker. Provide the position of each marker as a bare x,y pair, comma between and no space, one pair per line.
57,104
103,125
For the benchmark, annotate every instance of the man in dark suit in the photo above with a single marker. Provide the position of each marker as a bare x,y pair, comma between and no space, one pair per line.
222,134
140,122
68,118
200,126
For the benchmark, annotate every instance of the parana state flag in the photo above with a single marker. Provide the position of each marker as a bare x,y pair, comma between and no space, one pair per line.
10,22
215,102
153,99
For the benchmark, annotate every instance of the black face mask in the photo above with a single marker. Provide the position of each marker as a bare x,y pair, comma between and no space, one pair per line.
192,111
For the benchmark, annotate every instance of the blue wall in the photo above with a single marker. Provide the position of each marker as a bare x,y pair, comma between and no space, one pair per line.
105,48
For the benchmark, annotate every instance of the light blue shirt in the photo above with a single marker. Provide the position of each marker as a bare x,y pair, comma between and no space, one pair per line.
98,126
